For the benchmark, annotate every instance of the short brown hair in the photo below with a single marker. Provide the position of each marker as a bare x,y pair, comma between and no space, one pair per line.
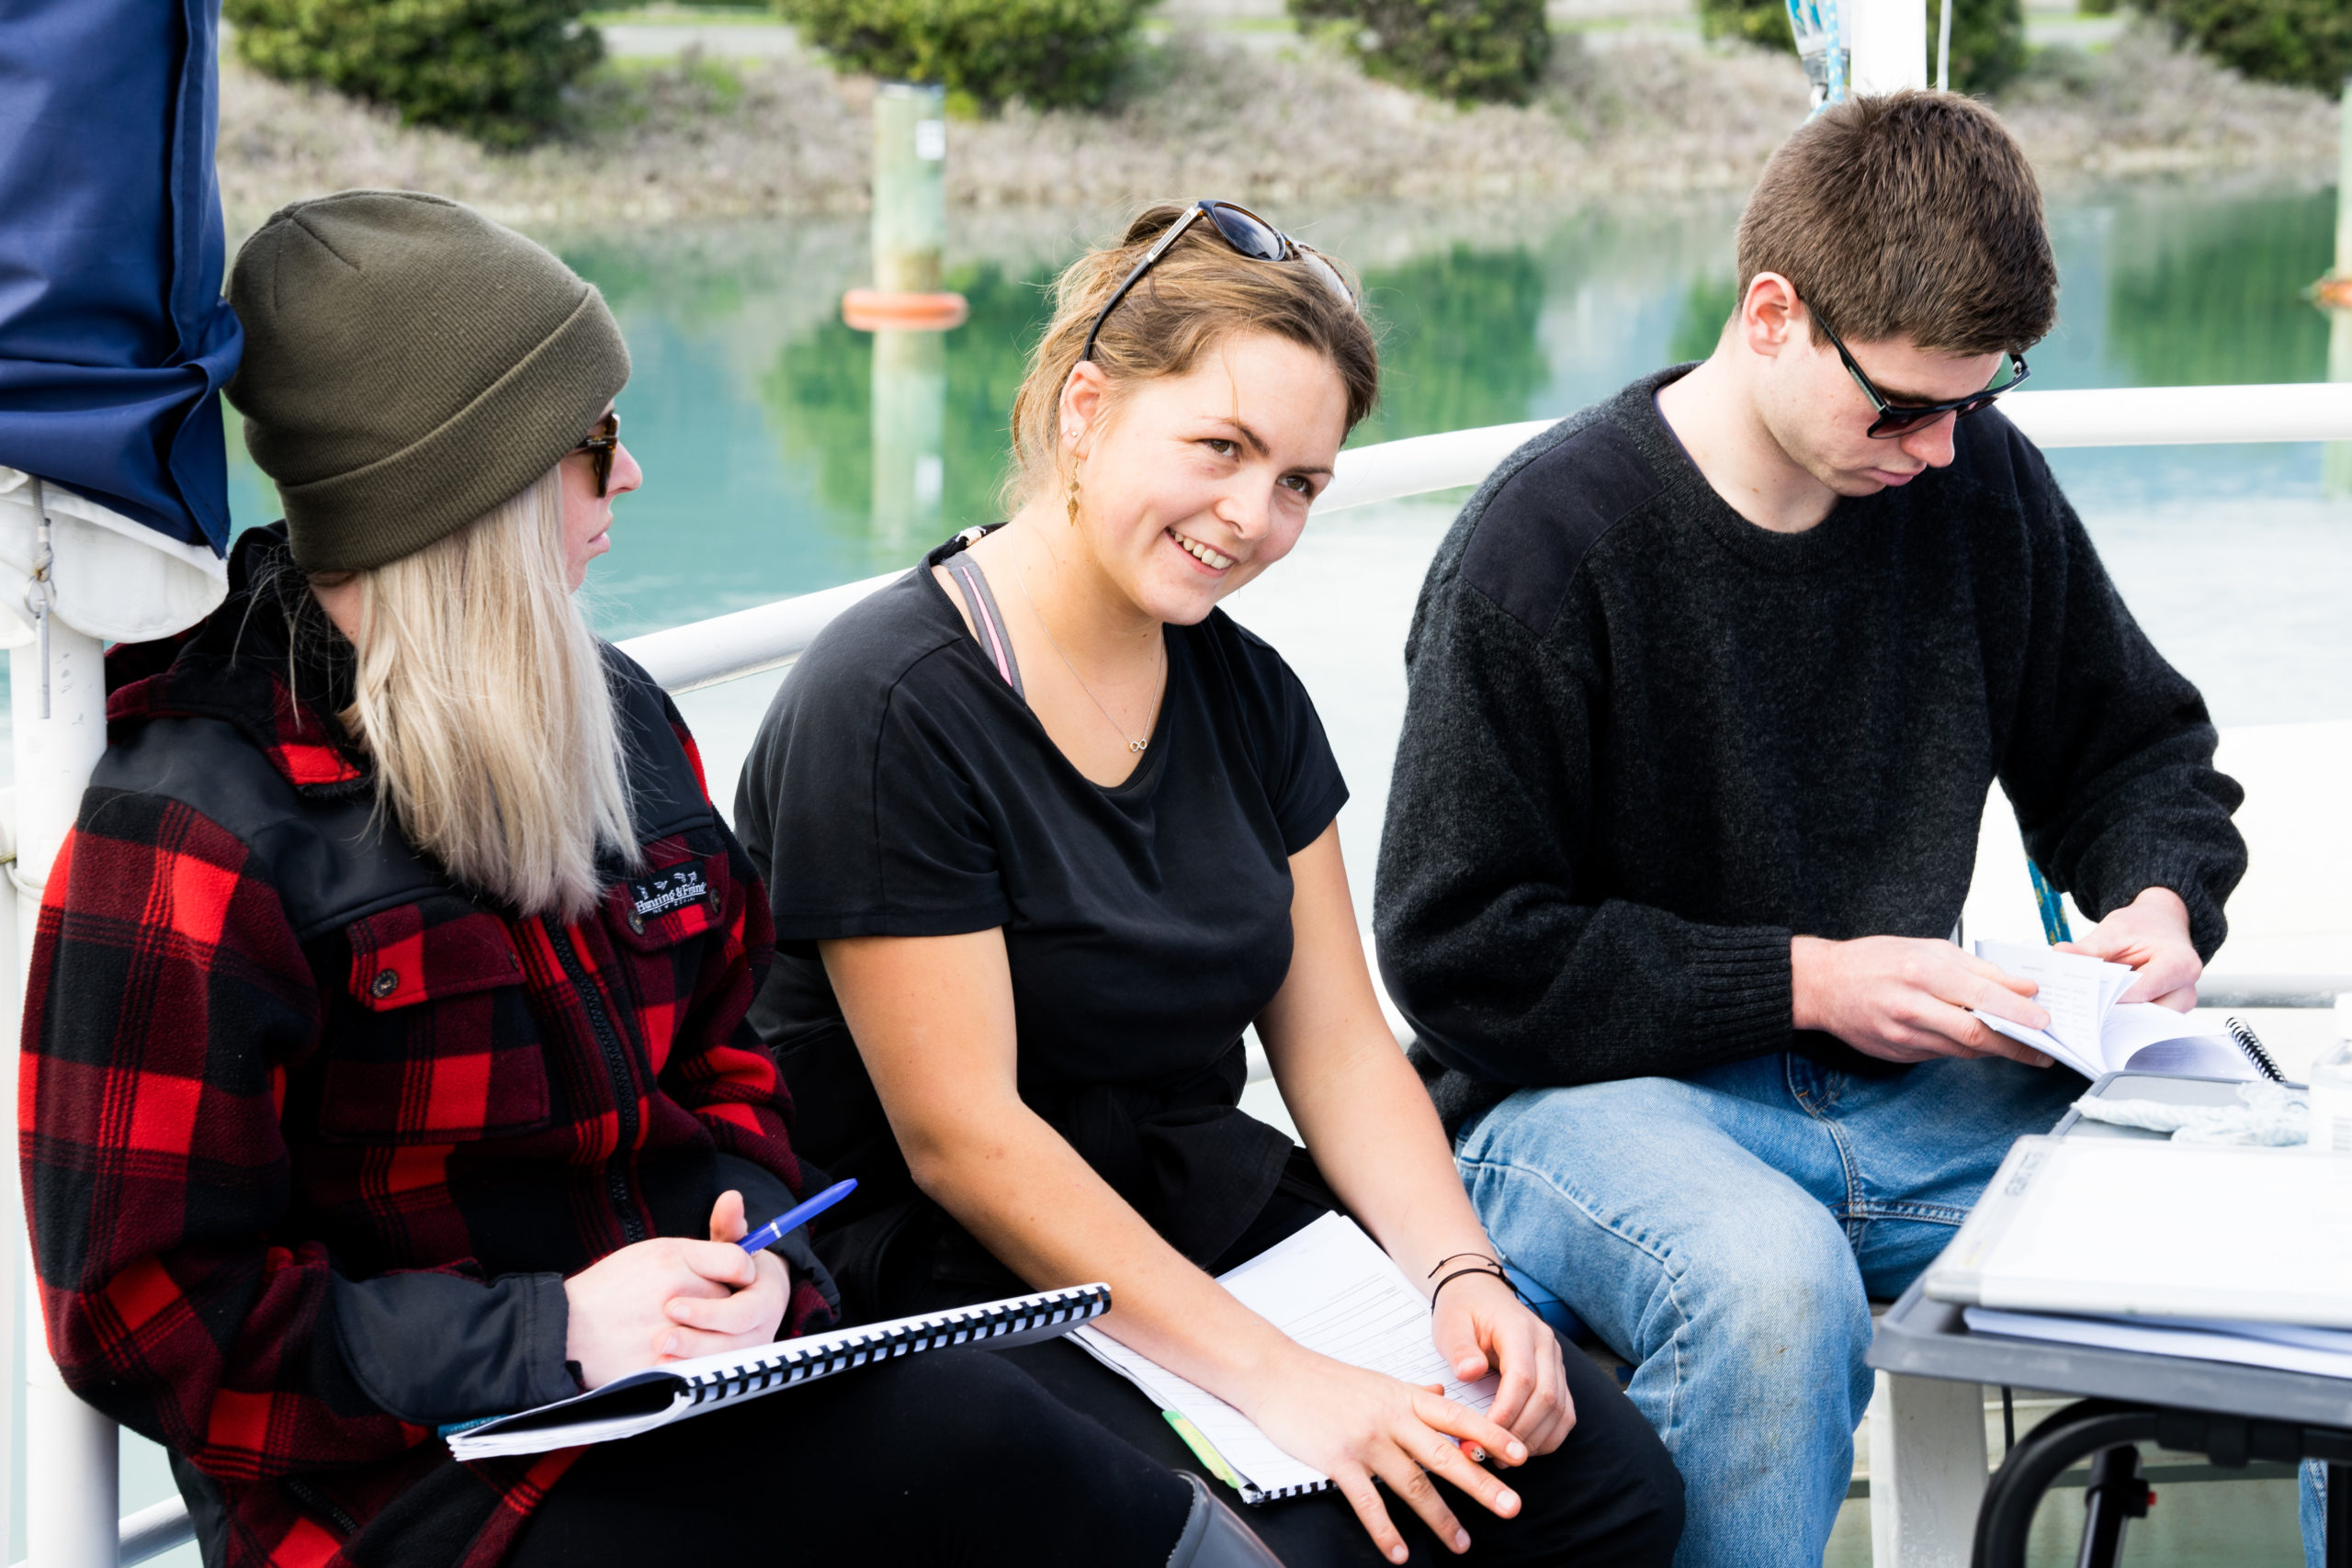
1200,293
1913,215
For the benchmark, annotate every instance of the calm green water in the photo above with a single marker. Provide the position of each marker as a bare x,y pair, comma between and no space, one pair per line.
750,405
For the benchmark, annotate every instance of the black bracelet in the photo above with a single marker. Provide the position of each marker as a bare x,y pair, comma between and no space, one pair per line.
1451,1256
1497,1271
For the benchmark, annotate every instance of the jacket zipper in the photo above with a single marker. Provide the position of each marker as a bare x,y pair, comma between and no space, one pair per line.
617,1067
322,1505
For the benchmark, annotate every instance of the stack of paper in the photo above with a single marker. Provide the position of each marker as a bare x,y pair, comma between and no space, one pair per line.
2324,1352
2095,1034
2210,1252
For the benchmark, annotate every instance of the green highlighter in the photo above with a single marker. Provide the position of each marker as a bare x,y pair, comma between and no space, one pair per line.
1203,1451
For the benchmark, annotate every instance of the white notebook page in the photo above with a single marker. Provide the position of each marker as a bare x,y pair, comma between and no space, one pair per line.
1330,1288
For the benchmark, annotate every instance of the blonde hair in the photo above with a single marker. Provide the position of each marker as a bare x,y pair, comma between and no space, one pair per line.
480,695
1200,293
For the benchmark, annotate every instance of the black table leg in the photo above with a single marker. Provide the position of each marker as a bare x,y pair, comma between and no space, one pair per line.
2117,1493
2093,1427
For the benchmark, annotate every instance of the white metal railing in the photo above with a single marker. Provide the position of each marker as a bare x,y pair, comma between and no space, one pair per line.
727,648
74,1499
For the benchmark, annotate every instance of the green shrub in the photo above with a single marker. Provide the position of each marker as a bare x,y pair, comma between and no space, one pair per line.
1465,50
495,69
1764,22
2305,42
1987,36
1050,53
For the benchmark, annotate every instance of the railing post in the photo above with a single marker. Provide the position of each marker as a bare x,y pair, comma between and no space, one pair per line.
1890,41
72,1485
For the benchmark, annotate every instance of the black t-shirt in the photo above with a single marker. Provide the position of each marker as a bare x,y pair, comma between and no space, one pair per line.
899,787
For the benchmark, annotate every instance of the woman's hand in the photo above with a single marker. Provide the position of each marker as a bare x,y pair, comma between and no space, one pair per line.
670,1299
1354,1424
1480,1328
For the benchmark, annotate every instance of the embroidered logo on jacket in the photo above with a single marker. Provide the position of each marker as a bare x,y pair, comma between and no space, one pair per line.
670,890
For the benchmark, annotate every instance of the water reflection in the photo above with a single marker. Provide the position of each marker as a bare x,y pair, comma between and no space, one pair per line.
752,406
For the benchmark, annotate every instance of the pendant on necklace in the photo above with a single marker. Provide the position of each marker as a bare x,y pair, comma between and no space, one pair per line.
1137,746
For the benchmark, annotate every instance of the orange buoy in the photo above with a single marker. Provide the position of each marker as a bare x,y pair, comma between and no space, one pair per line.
872,309
2333,292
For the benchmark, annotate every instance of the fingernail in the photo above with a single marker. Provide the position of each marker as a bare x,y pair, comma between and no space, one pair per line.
1508,1500
1518,1452
670,1344
1396,1553
1461,1540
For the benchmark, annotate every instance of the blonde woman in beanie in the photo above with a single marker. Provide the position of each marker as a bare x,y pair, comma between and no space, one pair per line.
385,1063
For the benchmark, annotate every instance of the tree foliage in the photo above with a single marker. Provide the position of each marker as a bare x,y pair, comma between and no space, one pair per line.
1049,53
495,69
2305,42
1464,50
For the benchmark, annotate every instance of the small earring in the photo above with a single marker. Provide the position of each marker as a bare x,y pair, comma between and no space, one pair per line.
1073,498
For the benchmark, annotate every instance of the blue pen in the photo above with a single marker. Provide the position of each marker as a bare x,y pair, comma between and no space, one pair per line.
799,1215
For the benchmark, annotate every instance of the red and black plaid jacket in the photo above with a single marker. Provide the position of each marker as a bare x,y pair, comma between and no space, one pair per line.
310,1137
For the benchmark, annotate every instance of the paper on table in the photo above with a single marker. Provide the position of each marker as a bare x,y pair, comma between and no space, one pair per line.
1331,1289
2324,1352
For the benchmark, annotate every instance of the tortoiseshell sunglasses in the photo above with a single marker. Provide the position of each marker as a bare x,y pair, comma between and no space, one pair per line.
600,445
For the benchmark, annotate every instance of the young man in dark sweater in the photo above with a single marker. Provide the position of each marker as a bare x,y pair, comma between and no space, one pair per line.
1708,686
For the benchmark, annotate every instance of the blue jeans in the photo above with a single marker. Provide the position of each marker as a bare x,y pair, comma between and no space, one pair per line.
1726,1232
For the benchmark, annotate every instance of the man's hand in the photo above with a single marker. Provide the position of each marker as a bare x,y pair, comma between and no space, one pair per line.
1907,999
2151,934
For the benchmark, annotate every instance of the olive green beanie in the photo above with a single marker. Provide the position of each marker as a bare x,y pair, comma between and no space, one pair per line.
409,365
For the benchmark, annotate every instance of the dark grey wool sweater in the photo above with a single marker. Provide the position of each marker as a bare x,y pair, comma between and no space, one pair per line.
1648,740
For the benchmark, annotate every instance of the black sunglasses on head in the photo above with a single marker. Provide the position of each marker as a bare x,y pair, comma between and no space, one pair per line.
1900,419
600,444
1247,232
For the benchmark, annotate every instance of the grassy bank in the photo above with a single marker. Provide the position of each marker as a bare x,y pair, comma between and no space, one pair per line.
696,138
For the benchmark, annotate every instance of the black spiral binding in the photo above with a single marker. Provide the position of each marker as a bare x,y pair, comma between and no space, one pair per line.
789,1366
2255,1051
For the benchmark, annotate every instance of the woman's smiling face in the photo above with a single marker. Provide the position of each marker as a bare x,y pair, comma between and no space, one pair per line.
1192,485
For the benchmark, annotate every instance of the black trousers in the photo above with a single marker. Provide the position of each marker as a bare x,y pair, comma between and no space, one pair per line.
1041,1457
957,1459
1607,1498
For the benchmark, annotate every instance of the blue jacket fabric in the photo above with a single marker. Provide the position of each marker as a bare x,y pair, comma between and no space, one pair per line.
113,339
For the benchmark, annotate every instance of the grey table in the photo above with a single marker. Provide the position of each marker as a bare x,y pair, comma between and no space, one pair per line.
2230,1413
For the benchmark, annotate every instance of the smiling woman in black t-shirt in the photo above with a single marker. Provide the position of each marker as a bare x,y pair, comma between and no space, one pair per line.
1044,831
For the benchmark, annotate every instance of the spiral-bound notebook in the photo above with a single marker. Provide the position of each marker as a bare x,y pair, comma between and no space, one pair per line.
658,1395
1330,1288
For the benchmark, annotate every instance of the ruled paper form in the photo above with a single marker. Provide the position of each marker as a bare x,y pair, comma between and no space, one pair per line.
1330,1288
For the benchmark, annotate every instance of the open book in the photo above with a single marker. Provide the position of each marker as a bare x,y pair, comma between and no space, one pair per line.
1330,1288
2094,1033
658,1395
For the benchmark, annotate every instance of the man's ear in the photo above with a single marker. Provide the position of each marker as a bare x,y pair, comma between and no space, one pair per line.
1769,315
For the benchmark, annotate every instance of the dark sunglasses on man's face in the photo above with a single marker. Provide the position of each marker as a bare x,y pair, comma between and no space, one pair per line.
1247,232
1901,419
600,444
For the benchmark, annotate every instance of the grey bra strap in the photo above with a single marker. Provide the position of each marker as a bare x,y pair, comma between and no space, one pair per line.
988,621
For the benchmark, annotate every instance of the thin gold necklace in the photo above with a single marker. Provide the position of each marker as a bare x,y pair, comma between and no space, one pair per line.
1134,744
